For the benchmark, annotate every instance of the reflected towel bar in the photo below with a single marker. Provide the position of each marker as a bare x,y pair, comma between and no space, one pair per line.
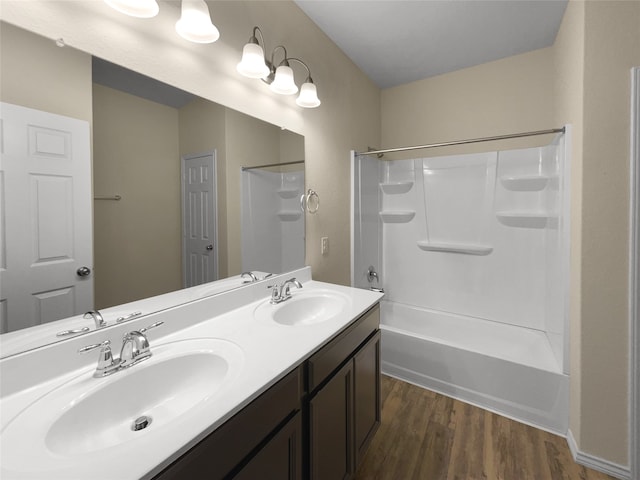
107,197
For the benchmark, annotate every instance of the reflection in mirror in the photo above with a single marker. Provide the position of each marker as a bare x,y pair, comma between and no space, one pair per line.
166,168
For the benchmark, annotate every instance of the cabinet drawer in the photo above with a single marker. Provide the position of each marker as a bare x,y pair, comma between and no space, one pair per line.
215,456
331,356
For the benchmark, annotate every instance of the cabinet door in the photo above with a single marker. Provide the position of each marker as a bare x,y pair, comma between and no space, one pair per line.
366,394
331,428
280,458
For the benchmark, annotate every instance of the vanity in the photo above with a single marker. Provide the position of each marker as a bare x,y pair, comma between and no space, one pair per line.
236,387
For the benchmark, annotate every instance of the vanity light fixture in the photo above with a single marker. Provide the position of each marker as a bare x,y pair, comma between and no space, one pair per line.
195,23
135,8
195,20
254,64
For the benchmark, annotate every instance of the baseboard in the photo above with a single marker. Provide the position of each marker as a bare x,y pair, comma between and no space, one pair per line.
597,463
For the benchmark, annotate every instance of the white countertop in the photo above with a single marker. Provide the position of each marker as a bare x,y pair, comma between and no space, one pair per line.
270,350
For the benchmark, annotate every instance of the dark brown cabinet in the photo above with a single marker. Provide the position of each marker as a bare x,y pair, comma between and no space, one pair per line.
344,411
366,368
331,428
315,423
280,458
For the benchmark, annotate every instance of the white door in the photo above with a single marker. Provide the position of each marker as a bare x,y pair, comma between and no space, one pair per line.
199,220
45,217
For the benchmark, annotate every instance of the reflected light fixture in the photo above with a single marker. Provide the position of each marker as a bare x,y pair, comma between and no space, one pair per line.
135,8
195,23
195,20
254,64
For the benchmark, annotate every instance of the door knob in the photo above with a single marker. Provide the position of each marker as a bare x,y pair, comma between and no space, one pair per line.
209,247
83,271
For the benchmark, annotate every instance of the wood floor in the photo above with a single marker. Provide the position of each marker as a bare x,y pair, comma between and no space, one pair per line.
428,436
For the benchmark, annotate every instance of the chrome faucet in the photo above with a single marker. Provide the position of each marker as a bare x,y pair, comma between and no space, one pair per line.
282,292
135,349
97,318
251,275
135,346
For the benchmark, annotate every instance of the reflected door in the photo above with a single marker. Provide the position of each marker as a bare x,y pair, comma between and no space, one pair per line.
46,225
199,240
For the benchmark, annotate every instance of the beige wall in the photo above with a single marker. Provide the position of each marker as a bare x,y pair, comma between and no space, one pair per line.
43,76
612,48
136,239
511,95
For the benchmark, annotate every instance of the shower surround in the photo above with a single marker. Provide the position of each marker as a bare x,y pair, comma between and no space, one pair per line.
472,252
272,220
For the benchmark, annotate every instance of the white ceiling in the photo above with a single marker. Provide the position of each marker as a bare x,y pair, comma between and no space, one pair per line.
396,42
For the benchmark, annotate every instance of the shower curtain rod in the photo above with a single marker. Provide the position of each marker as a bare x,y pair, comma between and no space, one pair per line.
463,142
272,165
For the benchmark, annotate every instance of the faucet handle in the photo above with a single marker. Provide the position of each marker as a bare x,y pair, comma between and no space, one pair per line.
125,318
106,344
153,325
106,364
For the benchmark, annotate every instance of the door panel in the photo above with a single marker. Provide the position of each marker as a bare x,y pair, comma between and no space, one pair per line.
45,217
199,241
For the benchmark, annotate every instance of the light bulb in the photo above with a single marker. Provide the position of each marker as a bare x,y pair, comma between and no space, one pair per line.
195,23
283,82
135,8
252,64
308,97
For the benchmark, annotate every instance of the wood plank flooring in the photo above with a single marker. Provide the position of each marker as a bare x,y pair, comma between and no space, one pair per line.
427,436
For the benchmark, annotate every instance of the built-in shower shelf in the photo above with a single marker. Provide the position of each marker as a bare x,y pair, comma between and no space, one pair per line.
289,215
525,183
288,192
397,216
392,188
524,219
464,248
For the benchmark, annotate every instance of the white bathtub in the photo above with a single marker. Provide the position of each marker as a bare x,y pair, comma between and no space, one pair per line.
509,370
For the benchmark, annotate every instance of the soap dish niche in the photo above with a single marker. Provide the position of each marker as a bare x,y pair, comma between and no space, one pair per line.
397,216
289,216
394,188
525,183
524,219
288,192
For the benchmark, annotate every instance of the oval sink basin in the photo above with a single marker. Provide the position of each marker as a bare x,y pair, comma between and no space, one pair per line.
92,415
305,308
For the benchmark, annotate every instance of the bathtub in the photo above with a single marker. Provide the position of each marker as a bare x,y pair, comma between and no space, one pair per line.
506,369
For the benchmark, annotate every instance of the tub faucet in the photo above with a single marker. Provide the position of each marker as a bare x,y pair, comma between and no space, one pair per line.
97,318
371,274
282,292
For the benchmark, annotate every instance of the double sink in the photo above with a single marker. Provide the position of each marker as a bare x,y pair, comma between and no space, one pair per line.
151,402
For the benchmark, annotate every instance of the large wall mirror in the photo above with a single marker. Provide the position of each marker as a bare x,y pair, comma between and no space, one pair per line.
185,191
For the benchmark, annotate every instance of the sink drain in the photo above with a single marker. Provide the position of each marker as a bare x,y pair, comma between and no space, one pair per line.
141,423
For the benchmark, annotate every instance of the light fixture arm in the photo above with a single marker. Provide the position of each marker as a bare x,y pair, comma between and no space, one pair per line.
309,79
254,38
279,76
285,60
